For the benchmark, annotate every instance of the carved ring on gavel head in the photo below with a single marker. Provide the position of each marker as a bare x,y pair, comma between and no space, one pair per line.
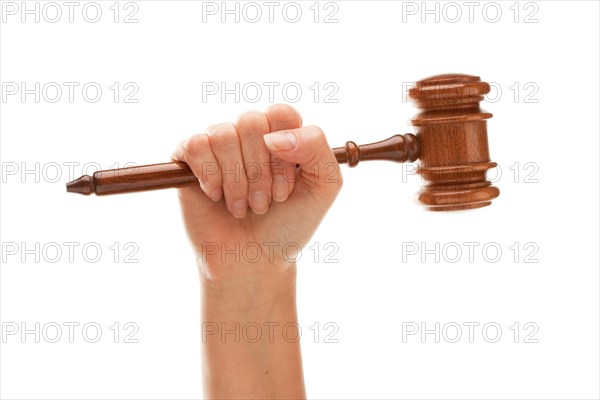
450,143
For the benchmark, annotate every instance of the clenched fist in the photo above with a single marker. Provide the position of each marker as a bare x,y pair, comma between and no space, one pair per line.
266,181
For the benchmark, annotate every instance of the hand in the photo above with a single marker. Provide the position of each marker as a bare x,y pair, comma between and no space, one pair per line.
252,209
253,163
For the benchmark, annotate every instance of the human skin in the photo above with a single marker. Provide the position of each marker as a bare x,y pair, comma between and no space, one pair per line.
251,196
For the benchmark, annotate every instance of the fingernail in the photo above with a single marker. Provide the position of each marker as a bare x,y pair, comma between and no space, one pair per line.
216,194
280,188
280,141
259,201
239,208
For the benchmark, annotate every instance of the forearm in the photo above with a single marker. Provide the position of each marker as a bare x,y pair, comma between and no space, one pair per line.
246,352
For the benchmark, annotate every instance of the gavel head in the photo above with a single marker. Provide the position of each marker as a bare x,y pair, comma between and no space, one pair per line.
452,131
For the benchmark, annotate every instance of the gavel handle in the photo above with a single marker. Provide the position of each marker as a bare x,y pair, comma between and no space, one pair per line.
399,148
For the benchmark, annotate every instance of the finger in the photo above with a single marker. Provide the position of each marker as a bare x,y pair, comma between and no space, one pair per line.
225,144
196,152
251,127
307,146
284,178
282,117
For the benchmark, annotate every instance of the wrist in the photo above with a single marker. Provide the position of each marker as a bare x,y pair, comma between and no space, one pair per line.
250,288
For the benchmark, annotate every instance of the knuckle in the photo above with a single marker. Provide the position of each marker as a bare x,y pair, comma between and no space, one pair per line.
317,131
196,145
252,123
284,113
219,130
224,136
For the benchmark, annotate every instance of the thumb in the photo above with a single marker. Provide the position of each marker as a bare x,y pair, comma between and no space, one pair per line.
307,146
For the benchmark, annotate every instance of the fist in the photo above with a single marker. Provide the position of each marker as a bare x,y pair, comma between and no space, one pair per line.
264,178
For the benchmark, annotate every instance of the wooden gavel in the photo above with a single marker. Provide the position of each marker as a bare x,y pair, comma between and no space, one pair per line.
450,143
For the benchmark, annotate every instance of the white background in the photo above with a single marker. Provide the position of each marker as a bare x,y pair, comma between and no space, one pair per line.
543,63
